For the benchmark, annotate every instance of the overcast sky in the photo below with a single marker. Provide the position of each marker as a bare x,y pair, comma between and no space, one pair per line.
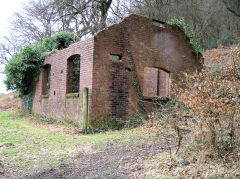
6,10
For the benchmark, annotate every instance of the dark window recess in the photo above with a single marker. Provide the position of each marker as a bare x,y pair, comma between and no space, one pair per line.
156,82
73,74
158,23
46,79
116,58
128,69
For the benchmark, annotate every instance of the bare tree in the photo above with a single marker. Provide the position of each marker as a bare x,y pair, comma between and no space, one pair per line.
104,6
87,16
207,22
233,6
39,19
35,22
7,49
42,18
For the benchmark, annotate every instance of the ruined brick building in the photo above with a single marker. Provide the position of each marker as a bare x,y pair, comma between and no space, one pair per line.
160,51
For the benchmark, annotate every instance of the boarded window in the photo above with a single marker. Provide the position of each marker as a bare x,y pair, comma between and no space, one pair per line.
46,79
73,74
163,83
156,82
150,82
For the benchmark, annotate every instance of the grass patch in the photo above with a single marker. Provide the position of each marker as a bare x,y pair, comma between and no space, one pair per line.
26,147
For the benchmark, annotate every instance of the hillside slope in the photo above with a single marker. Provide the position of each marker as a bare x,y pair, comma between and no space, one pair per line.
9,102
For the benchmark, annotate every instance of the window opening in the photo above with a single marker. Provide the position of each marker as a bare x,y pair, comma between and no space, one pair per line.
158,23
46,79
128,69
73,74
116,58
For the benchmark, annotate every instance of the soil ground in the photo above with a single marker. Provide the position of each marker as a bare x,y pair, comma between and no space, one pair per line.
33,148
117,160
36,149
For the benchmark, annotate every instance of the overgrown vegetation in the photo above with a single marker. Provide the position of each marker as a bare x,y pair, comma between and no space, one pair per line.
208,106
207,22
213,100
75,75
23,69
180,23
59,41
226,39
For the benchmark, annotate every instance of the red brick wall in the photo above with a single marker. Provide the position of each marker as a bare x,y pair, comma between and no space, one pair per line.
57,105
163,48
110,81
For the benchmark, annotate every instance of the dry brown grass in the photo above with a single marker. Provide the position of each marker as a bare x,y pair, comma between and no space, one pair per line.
209,105
10,102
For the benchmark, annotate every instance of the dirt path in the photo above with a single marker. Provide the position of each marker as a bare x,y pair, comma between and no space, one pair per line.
117,160
35,149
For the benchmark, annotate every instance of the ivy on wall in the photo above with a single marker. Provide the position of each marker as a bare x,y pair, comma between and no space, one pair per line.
22,71
135,80
180,23
27,101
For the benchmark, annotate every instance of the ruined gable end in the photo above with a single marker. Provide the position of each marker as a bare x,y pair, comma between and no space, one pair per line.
108,64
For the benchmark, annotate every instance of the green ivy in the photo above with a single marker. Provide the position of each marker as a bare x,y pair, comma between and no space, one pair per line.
135,80
188,32
27,101
23,69
59,41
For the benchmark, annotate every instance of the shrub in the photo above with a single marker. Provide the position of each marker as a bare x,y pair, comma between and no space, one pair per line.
213,43
209,105
213,99
226,38
59,41
23,69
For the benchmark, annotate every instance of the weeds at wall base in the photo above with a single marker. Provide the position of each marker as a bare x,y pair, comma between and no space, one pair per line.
95,126
27,102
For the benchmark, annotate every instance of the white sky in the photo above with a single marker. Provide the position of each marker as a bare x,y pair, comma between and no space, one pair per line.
6,10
